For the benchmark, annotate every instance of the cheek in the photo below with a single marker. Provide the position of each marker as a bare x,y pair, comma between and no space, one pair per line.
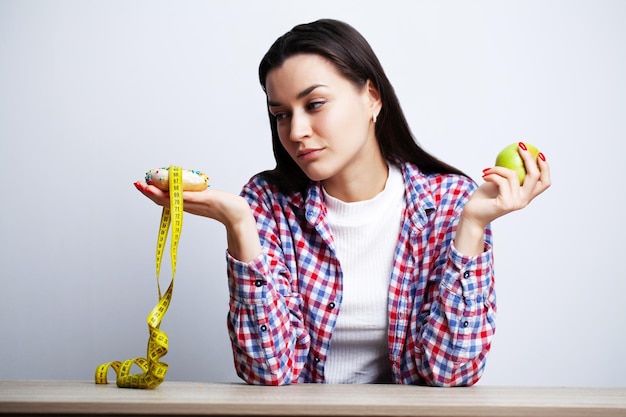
283,137
348,126
333,124
283,132
350,114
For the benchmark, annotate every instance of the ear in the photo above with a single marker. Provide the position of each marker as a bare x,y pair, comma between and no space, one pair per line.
374,101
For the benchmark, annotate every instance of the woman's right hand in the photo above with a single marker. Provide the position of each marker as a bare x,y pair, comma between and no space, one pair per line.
232,210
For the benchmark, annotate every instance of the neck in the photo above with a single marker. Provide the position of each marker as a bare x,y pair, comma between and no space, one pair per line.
359,183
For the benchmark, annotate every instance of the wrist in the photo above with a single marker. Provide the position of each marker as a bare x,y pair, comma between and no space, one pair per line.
470,236
242,234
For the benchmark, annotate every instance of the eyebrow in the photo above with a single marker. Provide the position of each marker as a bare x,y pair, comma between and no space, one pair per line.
300,95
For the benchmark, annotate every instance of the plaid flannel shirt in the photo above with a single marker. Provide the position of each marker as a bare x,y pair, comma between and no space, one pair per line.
284,304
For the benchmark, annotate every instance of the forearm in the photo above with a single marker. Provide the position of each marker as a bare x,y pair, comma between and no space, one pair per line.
459,323
243,239
455,350
264,328
266,346
470,237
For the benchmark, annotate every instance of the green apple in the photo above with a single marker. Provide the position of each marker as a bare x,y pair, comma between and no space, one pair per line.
510,158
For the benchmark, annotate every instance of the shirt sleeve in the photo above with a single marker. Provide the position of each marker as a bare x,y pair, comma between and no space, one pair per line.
459,312
269,340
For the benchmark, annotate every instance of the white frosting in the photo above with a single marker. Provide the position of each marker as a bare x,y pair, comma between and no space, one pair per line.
192,180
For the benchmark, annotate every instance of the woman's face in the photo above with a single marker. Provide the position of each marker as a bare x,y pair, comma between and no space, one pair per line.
324,121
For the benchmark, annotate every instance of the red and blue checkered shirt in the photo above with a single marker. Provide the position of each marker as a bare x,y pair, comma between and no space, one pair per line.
284,304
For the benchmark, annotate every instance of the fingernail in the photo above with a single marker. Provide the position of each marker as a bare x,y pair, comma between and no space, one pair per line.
486,169
523,146
542,156
138,186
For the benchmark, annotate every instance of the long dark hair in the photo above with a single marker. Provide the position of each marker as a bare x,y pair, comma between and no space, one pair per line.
348,50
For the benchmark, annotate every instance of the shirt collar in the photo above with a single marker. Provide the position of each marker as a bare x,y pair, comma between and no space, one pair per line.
420,201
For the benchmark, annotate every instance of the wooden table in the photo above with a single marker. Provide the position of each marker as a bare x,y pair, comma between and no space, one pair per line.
194,398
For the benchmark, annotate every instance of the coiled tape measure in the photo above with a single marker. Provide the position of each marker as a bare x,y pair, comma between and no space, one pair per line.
153,369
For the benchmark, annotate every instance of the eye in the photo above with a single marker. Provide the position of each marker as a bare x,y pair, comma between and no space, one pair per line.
278,113
315,105
280,116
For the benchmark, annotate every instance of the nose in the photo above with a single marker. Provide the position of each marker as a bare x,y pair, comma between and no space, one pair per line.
300,126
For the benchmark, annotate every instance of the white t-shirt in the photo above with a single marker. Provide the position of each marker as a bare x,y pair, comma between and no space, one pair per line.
366,237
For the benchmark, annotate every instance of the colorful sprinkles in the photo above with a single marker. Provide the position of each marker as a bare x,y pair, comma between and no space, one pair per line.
161,175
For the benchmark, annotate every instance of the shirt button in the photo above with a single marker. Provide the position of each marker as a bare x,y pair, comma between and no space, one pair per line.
467,274
263,327
259,282
331,305
316,359
465,323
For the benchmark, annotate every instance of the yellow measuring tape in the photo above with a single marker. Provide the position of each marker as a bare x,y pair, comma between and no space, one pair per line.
153,369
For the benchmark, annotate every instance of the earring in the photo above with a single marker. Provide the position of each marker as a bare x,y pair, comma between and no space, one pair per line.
374,118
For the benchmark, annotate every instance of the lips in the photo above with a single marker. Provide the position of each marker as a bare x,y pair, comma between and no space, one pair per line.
308,153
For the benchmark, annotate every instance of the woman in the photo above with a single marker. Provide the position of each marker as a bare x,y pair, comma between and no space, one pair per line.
359,258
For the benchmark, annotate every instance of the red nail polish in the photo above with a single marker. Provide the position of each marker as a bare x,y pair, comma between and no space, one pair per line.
486,169
138,186
523,146
542,156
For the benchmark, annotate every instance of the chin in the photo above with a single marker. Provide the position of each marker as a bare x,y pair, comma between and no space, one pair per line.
315,175
318,170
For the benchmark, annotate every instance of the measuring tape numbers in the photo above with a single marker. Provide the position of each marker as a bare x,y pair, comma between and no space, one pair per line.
153,369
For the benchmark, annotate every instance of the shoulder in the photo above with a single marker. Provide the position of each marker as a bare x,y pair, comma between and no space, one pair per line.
259,190
440,188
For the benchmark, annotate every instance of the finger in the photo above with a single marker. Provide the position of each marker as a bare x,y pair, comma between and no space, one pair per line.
509,174
537,178
152,190
195,196
544,167
510,192
505,179
153,193
545,179
532,169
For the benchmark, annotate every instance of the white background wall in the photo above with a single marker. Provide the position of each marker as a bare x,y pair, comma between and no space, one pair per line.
93,93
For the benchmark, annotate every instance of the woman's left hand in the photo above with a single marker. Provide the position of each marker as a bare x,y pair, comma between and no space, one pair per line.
501,193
